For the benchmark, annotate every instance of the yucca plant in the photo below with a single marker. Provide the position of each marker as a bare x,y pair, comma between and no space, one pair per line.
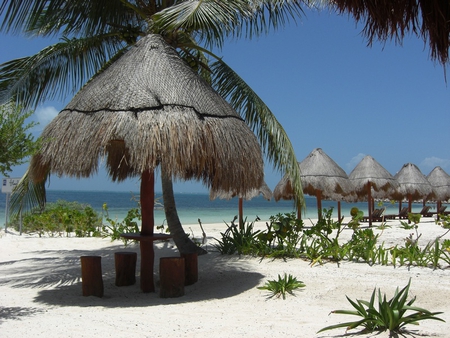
282,286
390,315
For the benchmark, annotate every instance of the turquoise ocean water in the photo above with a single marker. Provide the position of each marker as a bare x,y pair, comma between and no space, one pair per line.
191,207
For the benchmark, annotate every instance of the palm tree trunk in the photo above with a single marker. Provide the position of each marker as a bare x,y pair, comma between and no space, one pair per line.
184,244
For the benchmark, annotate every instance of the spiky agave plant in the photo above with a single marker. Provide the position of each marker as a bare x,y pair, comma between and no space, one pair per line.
283,285
390,315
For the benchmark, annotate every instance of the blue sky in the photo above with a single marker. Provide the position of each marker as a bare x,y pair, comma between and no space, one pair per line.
329,90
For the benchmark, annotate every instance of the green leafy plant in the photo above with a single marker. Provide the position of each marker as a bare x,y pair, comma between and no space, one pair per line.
284,285
357,216
444,221
114,229
381,314
324,237
59,218
236,239
362,245
282,237
16,140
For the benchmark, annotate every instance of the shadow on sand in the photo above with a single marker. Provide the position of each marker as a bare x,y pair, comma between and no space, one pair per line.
57,273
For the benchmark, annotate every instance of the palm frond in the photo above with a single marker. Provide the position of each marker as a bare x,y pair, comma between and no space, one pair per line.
268,15
27,195
59,69
17,14
210,20
270,133
387,19
51,17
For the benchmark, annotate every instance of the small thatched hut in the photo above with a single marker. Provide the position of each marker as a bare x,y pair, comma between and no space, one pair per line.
150,109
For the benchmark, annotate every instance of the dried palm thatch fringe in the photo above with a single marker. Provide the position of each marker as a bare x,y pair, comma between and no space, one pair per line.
440,181
413,184
386,19
149,108
318,173
264,191
368,172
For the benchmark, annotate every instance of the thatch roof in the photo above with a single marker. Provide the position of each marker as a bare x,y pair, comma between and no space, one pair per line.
440,181
412,183
393,19
368,172
318,173
148,109
264,191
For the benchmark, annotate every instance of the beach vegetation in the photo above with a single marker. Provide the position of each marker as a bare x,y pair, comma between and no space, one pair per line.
282,286
242,240
114,228
380,314
61,218
286,236
282,237
362,246
444,221
16,140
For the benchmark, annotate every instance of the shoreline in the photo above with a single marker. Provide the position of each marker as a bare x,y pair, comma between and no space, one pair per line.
40,290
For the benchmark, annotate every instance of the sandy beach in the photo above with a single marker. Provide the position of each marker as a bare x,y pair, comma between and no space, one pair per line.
41,295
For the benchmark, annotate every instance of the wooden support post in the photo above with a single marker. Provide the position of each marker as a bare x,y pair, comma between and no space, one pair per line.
147,199
172,277
241,213
125,263
147,262
191,268
91,276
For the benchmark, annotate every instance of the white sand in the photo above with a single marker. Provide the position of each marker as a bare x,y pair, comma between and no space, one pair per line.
40,292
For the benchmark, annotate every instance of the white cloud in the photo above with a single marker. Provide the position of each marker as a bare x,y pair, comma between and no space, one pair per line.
432,162
44,115
354,161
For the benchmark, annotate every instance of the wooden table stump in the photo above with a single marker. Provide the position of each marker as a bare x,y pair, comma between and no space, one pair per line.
147,256
191,268
91,276
125,264
172,277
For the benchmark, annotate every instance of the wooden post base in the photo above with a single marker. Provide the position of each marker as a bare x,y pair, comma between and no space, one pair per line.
91,276
172,277
191,268
125,263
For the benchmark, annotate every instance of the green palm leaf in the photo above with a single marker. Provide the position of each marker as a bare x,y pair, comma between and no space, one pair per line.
258,116
56,70
27,195
50,17
211,20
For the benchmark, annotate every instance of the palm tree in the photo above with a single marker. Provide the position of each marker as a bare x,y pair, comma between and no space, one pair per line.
95,33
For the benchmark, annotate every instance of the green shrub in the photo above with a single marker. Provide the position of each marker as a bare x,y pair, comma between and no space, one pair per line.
238,239
61,217
114,229
282,236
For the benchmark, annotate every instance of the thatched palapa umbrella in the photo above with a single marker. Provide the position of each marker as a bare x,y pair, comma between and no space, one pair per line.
264,191
321,177
440,181
367,175
150,109
412,184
